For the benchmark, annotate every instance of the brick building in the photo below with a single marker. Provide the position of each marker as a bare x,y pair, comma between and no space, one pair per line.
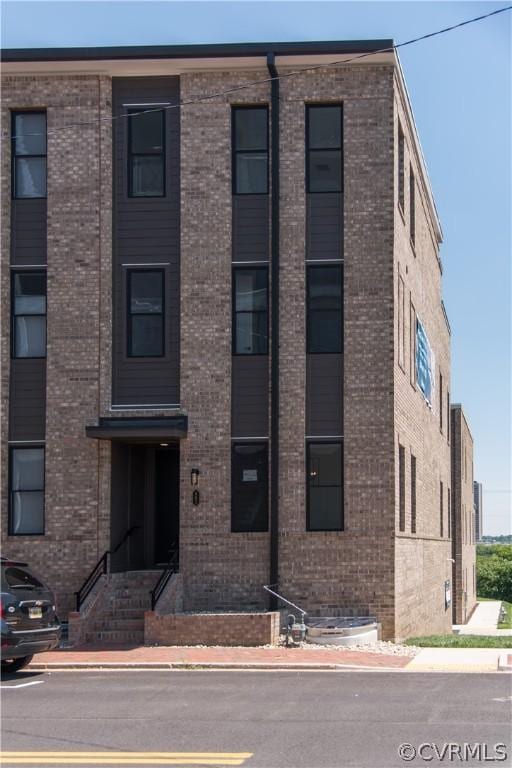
223,327
463,518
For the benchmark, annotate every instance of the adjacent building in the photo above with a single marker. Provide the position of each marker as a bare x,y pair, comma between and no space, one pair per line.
223,330
463,518
479,511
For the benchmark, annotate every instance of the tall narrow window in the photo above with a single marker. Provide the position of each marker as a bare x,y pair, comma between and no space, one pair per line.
250,150
250,311
449,513
448,417
146,153
145,313
325,486
249,487
401,323
441,510
412,329
413,494
26,497
324,309
401,487
324,148
28,307
29,154
401,160
441,402
412,207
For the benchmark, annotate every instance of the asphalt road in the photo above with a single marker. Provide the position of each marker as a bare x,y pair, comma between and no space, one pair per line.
254,719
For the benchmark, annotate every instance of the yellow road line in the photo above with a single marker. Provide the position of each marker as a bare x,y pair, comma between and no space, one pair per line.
125,758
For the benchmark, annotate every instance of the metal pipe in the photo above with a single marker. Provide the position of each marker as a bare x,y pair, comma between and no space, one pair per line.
274,347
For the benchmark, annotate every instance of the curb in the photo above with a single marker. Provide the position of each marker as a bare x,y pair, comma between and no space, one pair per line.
191,665
505,662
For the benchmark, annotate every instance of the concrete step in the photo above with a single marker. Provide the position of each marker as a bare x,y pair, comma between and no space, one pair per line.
122,625
116,636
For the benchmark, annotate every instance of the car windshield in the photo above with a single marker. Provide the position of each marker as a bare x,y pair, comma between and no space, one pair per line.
18,578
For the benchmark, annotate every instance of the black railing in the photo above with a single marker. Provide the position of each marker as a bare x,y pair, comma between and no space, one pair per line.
170,568
101,567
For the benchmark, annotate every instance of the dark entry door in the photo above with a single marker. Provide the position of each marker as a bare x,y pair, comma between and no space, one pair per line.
166,509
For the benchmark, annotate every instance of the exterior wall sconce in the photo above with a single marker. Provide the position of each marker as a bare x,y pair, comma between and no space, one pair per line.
194,477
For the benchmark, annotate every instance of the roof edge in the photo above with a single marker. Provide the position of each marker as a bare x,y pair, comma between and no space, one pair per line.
191,51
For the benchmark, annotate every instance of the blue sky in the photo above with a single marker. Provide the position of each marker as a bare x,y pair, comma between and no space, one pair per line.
460,86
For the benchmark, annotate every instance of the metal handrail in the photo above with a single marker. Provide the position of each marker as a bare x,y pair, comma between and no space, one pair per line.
101,567
169,570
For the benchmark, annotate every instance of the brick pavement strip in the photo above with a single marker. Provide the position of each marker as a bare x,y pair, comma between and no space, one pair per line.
215,657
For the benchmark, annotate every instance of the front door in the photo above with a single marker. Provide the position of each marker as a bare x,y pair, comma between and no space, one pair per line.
145,500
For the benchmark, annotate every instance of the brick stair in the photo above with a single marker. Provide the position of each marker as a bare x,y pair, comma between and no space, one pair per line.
121,617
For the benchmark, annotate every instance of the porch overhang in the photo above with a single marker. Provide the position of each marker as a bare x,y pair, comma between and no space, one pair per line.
140,429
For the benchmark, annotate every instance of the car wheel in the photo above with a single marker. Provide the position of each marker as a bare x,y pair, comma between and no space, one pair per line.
14,665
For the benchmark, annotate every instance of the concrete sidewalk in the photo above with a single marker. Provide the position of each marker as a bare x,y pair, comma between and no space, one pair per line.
484,621
200,657
461,660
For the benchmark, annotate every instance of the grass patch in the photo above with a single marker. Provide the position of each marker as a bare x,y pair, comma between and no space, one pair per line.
507,621
461,641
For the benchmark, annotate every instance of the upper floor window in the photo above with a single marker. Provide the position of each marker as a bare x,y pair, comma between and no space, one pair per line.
401,169
325,486
324,142
412,207
28,308
146,153
250,150
26,486
324,309
401,487
249,487
250,311
145,313
29,154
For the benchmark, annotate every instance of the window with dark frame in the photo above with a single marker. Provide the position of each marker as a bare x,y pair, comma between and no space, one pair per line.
145,313
26,491
28,314
448,417
412,207
249,144
250,311
324,148
324,486
412,318
324,309
401,169
28,154
146,153
441,510
449,513
413,494
401,488
249,487
401,323
441,402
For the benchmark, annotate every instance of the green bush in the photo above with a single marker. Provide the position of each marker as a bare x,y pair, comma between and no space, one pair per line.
494,573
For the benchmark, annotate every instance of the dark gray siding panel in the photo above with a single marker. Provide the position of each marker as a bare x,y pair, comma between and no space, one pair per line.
250,228
28,231
324,400
146,231
27,399
324,226
249,400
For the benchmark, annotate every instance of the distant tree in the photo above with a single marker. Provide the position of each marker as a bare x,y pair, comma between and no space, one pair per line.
494,575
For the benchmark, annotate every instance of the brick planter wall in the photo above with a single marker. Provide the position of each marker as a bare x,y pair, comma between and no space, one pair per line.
211,628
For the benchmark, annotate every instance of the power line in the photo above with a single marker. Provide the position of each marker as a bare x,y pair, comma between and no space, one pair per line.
245,86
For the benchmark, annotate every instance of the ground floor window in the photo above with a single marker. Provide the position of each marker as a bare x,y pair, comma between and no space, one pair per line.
325,486
26,492
249,487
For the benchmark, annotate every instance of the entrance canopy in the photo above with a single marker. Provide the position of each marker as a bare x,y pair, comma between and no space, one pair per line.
140,429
